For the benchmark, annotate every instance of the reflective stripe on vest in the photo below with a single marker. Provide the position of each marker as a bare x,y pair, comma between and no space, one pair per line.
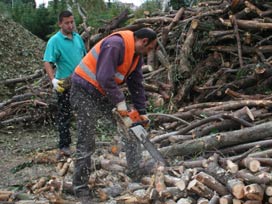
92,75
94,53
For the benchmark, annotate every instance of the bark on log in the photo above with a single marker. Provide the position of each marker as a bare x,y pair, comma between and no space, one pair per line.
220,140
212,183
200,189
248,177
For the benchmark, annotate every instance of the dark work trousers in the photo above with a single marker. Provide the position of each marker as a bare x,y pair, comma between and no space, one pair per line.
64,118
89,107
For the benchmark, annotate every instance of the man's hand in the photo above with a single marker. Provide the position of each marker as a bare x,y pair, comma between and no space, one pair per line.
122,108
57,85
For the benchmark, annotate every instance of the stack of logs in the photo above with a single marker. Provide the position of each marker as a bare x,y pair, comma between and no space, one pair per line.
239,179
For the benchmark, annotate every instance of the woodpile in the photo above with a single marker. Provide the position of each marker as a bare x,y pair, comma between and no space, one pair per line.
212,72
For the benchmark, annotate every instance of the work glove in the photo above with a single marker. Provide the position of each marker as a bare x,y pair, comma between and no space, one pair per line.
57,85
122,108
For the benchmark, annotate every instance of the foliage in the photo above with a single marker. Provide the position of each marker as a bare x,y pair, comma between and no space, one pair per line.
5,9
148,6
42,21
176,4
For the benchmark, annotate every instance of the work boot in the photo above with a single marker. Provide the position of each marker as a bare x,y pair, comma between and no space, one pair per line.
63,152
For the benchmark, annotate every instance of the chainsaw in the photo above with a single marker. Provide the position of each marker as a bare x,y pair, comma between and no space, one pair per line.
132,124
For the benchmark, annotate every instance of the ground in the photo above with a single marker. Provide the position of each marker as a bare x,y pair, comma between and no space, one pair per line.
17,148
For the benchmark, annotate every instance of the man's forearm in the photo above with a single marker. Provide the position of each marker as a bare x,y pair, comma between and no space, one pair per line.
49,70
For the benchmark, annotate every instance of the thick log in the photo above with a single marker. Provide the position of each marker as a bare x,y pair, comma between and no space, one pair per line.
231,166
167,29
227,106
184,64
248,177
212,183
249,24
236,187
202,201
212,167
159,180
5,195
268,190
153,20
173,192
237,201
243,147
251,163
219,140
214,199
200,189
232,123
264,161
188,200
254,192
226,199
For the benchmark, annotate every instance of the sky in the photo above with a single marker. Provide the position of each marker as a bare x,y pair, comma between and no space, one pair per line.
135,2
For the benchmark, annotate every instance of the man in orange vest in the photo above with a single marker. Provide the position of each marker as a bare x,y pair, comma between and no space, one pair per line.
114,60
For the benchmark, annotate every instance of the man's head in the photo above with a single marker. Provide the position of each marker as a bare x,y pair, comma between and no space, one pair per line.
66,22
145,40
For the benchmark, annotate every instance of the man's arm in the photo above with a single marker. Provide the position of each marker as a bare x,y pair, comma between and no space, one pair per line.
48,67
111,56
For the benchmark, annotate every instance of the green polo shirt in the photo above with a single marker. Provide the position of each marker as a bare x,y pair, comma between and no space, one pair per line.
65,53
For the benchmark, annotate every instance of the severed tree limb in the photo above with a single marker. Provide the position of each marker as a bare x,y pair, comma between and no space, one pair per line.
37,74
236,31
219,140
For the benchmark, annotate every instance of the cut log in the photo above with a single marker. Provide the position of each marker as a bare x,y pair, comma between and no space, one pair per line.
212,183
219,140
236,187
251,163
226,199
159,180
248,177
202,201
200,189
232,167
268,191
173,192
254,192
215,199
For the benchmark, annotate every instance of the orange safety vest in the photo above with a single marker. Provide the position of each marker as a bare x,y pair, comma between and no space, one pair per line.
87,67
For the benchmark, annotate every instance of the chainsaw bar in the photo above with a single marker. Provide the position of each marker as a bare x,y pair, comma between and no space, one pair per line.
142,136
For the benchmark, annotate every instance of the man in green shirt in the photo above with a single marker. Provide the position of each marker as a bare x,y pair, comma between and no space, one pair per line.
63,53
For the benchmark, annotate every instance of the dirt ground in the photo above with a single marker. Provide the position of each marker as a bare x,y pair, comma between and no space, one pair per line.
17,148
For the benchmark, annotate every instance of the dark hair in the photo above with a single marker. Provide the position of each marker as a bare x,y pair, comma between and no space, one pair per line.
145,33
64,14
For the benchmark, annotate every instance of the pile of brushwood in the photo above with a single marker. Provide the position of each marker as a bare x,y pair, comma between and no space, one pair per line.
212,76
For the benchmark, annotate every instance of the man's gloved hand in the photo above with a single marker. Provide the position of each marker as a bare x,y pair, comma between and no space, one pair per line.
57,85
122,108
